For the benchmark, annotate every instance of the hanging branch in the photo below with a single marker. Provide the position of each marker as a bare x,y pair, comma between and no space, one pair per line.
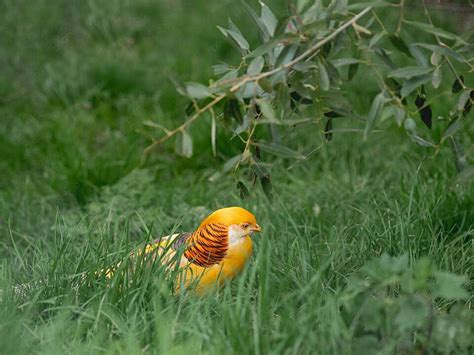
255,78
300,74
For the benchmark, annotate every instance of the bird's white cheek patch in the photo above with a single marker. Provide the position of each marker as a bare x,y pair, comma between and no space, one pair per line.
235,234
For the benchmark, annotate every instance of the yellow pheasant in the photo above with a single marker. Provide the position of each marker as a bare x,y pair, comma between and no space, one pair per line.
215,252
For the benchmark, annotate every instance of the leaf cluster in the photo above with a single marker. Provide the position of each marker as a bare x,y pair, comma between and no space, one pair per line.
392,308
290,94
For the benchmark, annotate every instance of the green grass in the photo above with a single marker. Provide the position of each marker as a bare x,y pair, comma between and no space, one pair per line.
79,80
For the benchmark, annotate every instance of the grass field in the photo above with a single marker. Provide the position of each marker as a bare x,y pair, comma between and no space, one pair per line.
78,81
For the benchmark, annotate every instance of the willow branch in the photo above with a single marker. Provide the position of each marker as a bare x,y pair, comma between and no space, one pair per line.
254,78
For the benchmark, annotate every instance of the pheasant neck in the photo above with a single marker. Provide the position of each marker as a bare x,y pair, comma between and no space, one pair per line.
208,245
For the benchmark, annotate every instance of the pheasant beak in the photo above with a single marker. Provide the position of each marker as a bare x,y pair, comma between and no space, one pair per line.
256,228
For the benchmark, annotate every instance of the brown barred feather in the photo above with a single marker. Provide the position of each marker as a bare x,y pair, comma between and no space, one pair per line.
208,245
213,239
213,231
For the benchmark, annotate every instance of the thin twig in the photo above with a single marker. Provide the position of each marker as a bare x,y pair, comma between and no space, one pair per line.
246,151
171,133
379,21
254,78
400,20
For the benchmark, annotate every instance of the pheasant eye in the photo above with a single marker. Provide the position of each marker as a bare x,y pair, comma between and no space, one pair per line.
245,225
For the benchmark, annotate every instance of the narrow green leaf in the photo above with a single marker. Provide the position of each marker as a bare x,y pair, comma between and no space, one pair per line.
374,112
435,31
326,50
197,90
340,7
229,76
250,89
242,127
179,85
267,110
410,85
301,5
286,122
316,27
376,38
304,66
339,103
223,31
267,47
441,50
323,77
279,77
259,168
267,187
333,73
256,66
297,97
213,134
187,145
352,71
220,69
421,141
399,115
400,44
286,55
410,125
382,53
436,78
239,39
258,21
233,26
373,4
190,109
236,38
409,72
328,130
468,105
344,61
452,128
424,110
279,150
232,110
397,112
435,58
263,49
463,100
231,163
418,55
268,19
184,144
458,154
457,85
243,190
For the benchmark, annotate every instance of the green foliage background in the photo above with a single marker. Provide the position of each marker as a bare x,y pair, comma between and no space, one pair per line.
78,81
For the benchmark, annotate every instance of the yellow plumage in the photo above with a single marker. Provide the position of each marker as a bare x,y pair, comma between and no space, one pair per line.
216,252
